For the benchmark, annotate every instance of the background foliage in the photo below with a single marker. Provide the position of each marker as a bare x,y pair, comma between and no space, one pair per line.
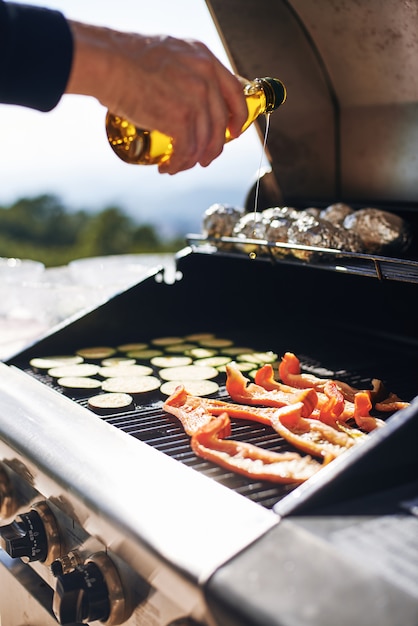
43,229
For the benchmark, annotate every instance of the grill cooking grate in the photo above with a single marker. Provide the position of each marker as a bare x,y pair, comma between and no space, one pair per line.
162,431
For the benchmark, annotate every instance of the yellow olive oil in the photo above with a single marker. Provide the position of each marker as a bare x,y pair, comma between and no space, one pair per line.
144,147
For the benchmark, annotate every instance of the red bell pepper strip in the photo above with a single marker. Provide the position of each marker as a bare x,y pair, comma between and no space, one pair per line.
249,460
330,405
265,378
391,403
253,394
189,409
194,412
290,374
313,436
362,407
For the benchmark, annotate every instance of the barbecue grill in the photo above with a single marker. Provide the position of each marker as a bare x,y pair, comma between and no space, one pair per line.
120,523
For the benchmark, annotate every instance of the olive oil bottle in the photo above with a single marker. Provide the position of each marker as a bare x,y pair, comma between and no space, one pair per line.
144,147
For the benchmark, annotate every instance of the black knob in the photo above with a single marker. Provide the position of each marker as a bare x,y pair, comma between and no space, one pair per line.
81,595
25,537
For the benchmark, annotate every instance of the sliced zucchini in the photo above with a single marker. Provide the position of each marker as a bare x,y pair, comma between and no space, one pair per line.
241,365
180,348
144,355
96,353
79,370
201,353
108,403
132,385
216,342
213,361
199,336
189,372
117,360
171,361
194,387
113,371
40,364
130,347
260,358
79,385
166,341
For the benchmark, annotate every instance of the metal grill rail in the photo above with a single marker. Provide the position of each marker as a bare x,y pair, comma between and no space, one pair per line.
373,266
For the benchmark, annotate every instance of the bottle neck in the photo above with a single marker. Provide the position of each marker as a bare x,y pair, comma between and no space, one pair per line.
274,91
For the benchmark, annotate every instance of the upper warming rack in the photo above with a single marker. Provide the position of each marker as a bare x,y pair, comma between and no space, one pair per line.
374,266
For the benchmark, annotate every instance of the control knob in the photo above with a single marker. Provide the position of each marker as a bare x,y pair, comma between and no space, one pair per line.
32,536
91,591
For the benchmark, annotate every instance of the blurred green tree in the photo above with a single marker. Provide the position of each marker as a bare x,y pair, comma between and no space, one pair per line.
43,229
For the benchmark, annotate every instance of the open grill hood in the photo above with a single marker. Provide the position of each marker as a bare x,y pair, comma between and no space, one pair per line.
349,129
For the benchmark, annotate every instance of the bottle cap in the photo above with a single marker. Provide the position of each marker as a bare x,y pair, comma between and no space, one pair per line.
275,92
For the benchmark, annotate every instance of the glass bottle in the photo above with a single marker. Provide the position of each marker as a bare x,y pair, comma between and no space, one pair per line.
143,147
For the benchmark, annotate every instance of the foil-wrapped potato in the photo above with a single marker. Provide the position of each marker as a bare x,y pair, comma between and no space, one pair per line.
308,230
219,220
337,227
313,211
280,212
277,223
250,226
311,231
379,231
336,213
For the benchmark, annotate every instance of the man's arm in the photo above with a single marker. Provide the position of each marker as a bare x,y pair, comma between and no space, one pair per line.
172,85
36,48
176,86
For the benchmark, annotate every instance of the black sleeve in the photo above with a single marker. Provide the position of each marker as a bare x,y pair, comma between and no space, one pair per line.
36,49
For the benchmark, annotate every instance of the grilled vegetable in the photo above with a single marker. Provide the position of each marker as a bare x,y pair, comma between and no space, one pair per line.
96,353
311,435
81,369
40,364
114,371
144,355
166,341
236,385
201,353
216,343
258,357
290,373
196,388
131,347
189,372
213,361
109,403
184,405
117,360
171,361
247,459
79,385
199,336
180,348
132,385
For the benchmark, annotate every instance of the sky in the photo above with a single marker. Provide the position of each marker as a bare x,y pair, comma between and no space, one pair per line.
65,151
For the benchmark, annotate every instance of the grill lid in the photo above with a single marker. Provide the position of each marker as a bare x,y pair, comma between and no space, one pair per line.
349,129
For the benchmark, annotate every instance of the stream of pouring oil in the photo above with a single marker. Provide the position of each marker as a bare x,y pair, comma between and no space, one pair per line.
253,254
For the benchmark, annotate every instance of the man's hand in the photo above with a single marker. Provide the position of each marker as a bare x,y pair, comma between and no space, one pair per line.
172,85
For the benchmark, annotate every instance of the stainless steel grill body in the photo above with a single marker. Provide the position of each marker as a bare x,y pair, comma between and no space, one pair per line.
131,485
